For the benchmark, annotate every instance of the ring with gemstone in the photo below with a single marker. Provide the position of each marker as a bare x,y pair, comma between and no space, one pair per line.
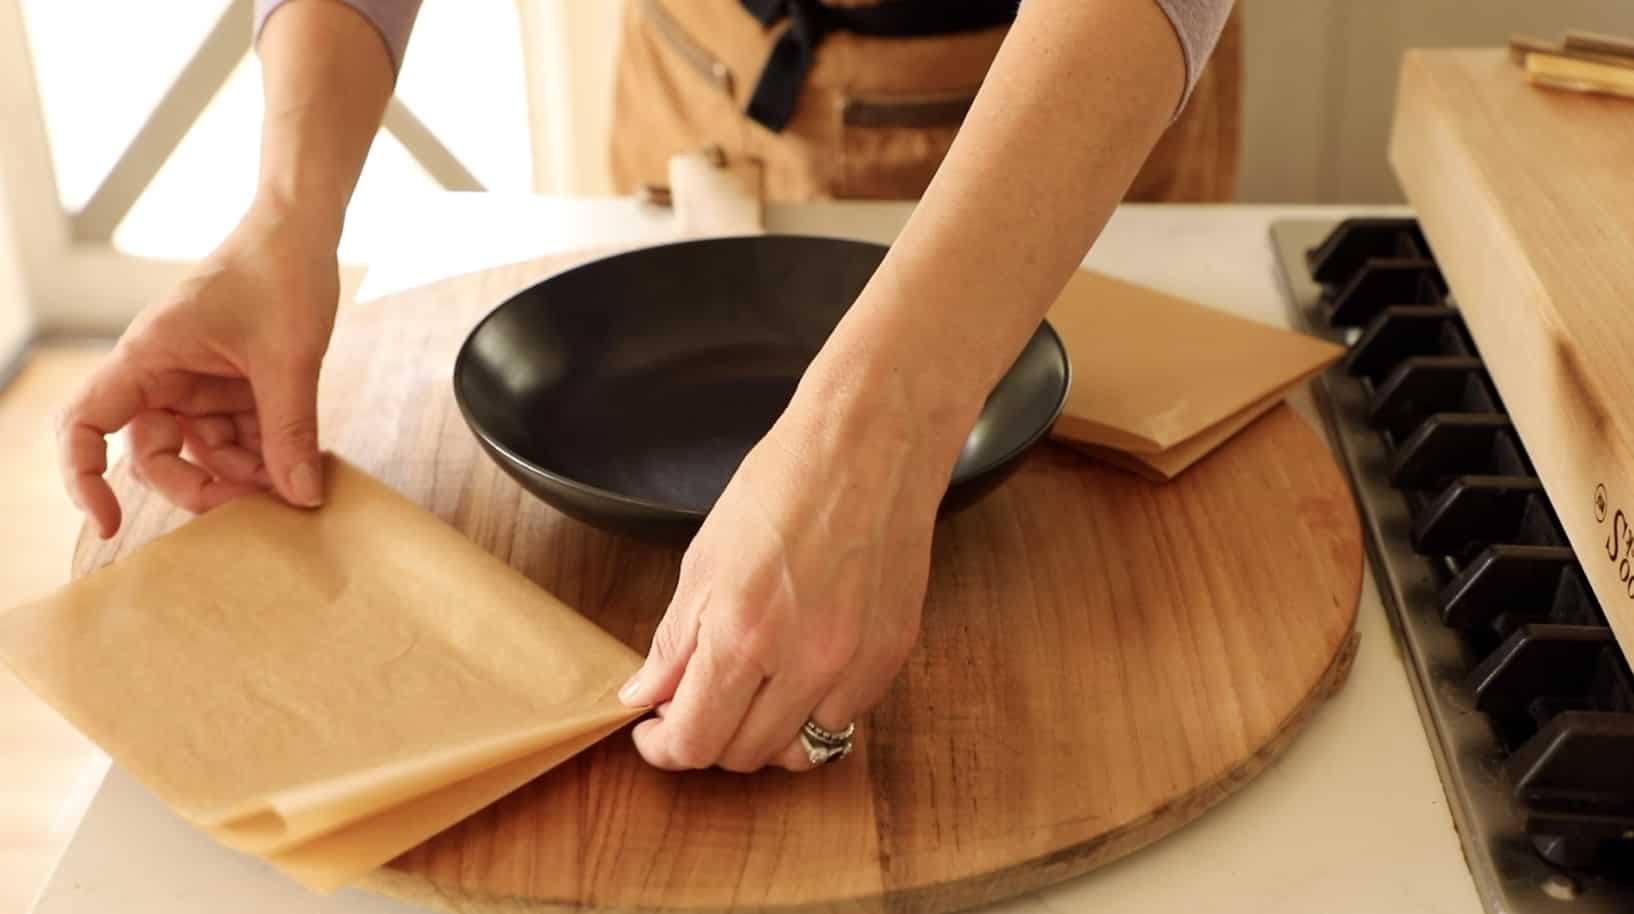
823,746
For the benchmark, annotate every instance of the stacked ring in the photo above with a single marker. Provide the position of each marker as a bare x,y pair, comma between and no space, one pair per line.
824,746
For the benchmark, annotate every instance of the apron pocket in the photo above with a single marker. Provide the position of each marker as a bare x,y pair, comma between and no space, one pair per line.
933,110
893,144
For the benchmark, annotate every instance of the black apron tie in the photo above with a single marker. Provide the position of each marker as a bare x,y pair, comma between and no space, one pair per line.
786,67
775,95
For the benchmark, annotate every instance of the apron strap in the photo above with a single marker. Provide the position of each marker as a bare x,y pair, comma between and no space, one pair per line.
774,98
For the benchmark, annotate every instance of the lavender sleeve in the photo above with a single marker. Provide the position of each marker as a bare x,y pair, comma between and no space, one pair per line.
1198,24
393,19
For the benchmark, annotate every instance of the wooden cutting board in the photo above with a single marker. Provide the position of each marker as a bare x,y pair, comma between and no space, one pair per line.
1526,195
1102,659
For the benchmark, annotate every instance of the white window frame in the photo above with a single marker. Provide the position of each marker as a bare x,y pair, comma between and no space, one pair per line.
73,277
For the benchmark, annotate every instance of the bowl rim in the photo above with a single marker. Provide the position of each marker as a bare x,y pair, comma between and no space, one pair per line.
671,511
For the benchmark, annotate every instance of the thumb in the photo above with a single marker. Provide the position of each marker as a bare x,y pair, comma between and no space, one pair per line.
672,647
287,400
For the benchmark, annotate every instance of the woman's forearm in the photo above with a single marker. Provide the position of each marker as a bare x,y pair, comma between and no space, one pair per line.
1077,97
327,77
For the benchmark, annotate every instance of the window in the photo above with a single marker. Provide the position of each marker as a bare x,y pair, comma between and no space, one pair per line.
101,69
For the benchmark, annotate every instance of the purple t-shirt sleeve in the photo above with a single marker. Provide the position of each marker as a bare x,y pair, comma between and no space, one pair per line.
1198,24
394,19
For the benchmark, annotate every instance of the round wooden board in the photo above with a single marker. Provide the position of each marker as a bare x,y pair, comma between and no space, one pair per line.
1102,659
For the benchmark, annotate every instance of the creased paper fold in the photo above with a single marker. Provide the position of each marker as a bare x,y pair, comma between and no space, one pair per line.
1160,381
325,689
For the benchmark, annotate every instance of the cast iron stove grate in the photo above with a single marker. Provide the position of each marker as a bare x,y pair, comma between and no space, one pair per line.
1527,698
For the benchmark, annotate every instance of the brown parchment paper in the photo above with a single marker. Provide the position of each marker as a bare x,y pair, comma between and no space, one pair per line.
1154,373
325,689
1166,465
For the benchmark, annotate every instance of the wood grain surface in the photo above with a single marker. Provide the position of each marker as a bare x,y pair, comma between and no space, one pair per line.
1102,659
1527,198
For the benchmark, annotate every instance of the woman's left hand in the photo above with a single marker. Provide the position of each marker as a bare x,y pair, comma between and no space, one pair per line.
800,596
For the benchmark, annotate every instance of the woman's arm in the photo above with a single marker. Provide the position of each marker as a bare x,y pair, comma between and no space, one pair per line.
328,71
218,382
800,596
1077,97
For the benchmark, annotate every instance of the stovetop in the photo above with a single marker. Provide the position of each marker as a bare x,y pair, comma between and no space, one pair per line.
1524,694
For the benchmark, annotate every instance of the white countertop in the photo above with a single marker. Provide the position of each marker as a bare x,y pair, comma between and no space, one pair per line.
1352,819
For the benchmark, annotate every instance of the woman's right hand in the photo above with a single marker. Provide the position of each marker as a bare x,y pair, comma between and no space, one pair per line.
218,383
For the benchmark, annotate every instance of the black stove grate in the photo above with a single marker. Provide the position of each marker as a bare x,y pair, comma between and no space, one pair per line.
1533,655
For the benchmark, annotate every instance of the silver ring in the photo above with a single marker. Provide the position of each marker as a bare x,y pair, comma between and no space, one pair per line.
824,746
829,737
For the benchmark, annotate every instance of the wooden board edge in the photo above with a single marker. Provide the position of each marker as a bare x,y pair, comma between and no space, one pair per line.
1573,439
537,268
91,551
87,547
987,888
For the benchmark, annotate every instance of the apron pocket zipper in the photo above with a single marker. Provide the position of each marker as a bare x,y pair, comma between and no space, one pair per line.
695,55
941,110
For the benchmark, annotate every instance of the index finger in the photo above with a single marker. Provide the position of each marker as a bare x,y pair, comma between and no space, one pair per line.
104,405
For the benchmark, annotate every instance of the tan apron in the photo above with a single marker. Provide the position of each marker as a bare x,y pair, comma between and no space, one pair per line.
876,115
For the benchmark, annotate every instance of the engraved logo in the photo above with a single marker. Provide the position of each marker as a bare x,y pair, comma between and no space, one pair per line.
1620,542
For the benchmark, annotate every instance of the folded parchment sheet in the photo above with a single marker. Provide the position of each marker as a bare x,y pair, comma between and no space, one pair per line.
1160,381
325,689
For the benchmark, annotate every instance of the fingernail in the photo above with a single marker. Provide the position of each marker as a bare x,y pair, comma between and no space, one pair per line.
307,484
628,693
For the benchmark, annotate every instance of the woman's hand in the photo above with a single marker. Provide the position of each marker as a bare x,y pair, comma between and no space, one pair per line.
800,596
218,383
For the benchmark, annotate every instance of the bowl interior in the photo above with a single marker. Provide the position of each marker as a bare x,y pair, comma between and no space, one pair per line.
649,375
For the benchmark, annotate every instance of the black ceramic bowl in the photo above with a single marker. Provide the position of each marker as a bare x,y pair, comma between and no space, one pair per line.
626,391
